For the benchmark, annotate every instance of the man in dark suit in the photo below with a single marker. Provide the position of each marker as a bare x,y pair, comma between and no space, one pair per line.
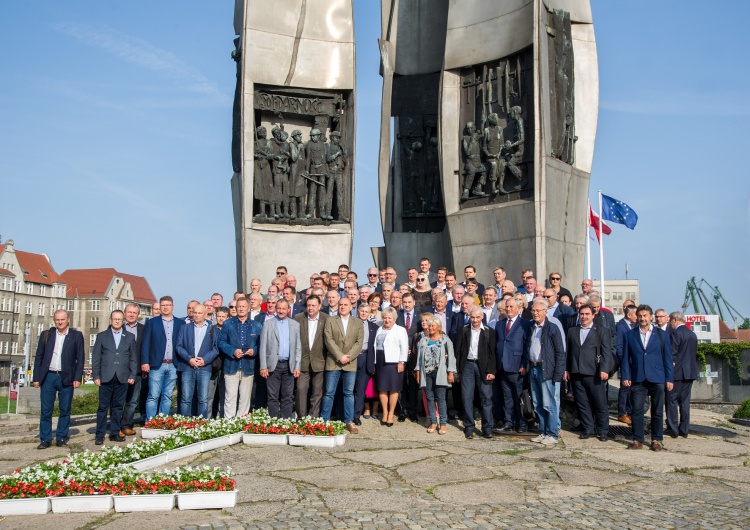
114,366
588,364
196,352
513,335
58,368
647,368
459,320
471,272
365,362
157,357
133,394
290,295
312,367
476,364
624,398
408,318
684,350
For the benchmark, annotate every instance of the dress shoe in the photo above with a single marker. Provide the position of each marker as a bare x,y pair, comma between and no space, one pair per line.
602,437
98,441
578,428
634,445
116,438
625,418
44,445
358,422
413,418
684,435
383,423
469,435
352,428
507,428
656,446
522,429
61,443
487,435
389,424
584,436
671,434
127,432
401,418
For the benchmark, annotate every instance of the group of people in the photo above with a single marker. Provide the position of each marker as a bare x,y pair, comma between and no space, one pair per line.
359,351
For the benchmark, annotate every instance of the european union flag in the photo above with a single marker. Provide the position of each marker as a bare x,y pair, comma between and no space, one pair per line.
618,212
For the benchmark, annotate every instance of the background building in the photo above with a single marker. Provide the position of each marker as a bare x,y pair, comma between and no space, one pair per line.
30,292
617,291
92,294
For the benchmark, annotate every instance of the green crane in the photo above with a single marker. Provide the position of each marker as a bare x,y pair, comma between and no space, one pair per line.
711,303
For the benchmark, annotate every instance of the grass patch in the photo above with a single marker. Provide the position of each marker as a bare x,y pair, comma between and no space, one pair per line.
4,405
514,452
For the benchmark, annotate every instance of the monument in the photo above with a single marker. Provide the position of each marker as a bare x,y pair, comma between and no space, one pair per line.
507,95
293,191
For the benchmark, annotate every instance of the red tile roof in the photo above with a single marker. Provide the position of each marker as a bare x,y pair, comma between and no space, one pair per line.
93,283
36,267
6,272
726,334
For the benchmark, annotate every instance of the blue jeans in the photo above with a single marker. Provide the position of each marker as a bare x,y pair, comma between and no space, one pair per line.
331,382
545,394
52,387
190,380
160,386
435,393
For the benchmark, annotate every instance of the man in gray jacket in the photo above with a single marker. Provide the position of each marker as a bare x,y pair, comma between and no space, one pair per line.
280,359
114,366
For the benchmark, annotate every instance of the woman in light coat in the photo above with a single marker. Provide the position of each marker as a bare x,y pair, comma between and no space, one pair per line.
391,354
435,371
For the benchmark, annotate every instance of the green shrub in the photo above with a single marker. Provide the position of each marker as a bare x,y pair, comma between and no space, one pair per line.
82,404
744,410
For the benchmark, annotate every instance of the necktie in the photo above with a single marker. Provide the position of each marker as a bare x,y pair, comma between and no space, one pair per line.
408,321
507,326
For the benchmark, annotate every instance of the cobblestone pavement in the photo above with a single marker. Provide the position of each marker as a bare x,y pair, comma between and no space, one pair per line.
402,477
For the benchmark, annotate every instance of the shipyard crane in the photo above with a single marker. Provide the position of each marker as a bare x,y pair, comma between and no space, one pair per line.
712,303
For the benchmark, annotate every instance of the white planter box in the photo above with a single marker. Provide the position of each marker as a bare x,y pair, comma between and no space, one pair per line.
206,500
81,503
150,434
36,506
150,462
215,443
183,452
264,439
317,441
235,438
154,502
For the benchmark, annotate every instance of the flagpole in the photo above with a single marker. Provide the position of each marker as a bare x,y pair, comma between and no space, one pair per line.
601,247
588,251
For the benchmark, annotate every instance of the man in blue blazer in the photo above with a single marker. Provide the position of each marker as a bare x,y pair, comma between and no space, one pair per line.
624,398
158,352
685,350
114,365
647,368
513,336
239,342
196,350
58,369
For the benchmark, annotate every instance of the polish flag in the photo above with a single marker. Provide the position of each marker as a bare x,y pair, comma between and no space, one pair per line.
594,223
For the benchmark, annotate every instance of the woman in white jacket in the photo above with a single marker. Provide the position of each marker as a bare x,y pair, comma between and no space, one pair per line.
391,354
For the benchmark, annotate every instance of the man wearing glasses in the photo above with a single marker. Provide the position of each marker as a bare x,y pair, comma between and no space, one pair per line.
281,272
662,320
372,279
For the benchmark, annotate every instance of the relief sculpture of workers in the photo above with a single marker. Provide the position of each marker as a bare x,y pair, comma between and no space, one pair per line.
472,163
337,166
317,171
297,183
432,177
262,178
412,174
514,146
492,146
280,154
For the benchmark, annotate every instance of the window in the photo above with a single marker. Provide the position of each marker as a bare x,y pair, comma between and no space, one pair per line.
15,327
39,329
28,308
40,311
2,325
70,305
95,305
43,290
617,296
630,295
111,306
14,349
29,288
27,328
92,339
94,322
17,306
5,348
18,286
702,326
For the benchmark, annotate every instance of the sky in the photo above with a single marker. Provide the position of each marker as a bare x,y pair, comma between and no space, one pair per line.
115,130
